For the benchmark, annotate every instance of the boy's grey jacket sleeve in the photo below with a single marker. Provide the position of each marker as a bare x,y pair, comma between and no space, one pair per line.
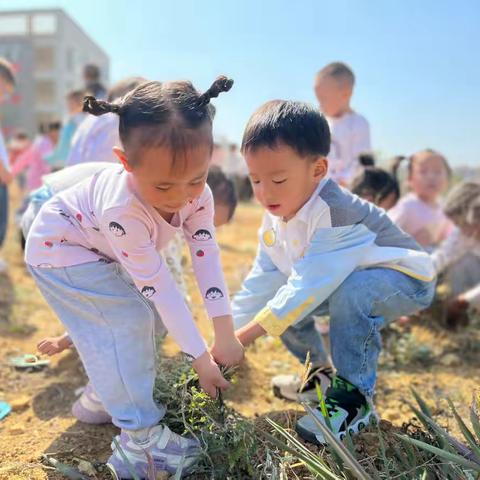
333,254
261,284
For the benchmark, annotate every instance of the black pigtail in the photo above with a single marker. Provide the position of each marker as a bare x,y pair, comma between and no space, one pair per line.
99,107
221,84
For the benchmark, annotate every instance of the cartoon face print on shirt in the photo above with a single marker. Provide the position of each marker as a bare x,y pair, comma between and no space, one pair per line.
213,293
117,229
202,235
147,291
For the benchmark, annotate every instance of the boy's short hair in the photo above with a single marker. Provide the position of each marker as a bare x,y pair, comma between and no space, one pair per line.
341,72
6,71
296,124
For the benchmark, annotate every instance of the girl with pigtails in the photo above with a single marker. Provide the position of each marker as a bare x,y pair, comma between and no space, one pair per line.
93,252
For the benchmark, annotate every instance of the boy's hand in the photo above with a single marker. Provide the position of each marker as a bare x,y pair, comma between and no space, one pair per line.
53,345
457,312
249,333
209,374
228,351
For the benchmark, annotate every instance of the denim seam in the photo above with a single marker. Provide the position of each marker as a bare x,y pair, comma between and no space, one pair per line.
372,331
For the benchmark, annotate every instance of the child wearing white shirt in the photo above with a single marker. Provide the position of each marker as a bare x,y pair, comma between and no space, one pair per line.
323,250
350,132
459,255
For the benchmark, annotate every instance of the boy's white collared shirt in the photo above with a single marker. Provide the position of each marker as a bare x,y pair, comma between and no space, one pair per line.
301,262
286,242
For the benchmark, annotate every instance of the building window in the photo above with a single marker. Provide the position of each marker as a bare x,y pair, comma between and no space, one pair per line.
44,24
44,59
13,25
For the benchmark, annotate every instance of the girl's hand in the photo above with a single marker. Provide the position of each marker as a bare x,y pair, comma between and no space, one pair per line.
209,374
53,345
228,351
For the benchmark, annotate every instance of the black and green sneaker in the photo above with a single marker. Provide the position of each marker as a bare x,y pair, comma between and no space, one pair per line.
347,409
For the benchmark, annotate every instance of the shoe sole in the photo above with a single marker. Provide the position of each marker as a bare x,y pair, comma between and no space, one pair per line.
353,429
296,397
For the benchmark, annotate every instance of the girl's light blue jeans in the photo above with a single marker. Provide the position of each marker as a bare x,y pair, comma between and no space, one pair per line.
364,303
112,326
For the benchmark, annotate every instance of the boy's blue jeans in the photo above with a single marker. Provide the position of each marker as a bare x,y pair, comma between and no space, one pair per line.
364,303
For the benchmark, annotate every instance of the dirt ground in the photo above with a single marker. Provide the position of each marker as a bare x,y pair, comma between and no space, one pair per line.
437,363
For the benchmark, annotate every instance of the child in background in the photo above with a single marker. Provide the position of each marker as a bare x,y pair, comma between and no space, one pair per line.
7,86
350,131
33,158
459,255
18,144
376,185
225,202
89,243
96,137
419,213
58,157
323,250
93,84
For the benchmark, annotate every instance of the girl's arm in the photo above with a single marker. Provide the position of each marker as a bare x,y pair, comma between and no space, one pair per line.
454,247
200,235
129,235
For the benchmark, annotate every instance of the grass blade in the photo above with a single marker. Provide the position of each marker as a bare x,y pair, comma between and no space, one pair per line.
343,452
421,403
466,433
450,457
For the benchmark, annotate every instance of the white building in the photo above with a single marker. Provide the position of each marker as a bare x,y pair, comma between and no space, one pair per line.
49,51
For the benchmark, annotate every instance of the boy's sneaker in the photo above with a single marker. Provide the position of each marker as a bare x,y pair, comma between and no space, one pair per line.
89,409
347,409
290,386
166,450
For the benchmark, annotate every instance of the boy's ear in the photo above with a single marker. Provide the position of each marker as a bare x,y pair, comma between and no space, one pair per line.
123,158
320,168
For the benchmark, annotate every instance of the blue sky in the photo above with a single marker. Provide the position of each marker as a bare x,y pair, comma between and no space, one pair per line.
416,61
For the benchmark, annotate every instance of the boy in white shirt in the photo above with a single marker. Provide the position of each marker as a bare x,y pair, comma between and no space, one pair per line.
7,85
323,250
350,131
